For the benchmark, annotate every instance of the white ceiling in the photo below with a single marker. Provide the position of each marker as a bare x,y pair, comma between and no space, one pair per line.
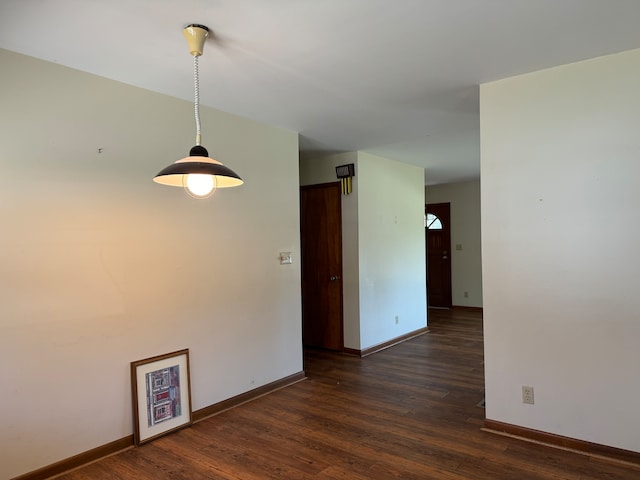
397,78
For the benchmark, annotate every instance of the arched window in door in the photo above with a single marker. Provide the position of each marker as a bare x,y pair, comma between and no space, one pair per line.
433,222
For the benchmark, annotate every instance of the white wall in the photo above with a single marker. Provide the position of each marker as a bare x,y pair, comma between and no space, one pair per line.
322,169
384,267
99,266
560,236
392,249
466,264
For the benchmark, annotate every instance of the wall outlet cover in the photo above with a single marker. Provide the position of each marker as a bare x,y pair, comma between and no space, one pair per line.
527,395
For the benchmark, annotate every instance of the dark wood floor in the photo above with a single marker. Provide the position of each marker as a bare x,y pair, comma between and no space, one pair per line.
408,412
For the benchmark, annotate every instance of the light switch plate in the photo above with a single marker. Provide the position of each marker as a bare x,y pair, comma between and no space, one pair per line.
286,258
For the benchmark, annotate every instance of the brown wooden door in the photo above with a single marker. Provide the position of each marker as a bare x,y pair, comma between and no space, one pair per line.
438,243
321,246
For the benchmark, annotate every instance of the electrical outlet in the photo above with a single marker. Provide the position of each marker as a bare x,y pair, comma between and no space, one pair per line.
397,319
466,294
527,395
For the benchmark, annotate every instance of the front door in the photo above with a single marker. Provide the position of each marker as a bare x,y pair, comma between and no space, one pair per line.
438,232
321,245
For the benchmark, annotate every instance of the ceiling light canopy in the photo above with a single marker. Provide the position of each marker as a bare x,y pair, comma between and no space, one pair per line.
199,174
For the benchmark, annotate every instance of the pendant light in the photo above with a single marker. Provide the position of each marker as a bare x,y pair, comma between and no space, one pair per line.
199,174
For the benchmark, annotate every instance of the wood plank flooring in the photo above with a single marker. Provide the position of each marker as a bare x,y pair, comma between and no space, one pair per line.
408,412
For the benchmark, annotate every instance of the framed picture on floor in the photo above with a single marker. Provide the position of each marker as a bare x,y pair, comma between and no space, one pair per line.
161,395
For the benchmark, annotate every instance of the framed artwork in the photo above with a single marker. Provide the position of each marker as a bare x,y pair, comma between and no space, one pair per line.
161,395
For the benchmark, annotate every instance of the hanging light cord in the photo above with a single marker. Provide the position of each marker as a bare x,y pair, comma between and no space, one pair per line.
196,88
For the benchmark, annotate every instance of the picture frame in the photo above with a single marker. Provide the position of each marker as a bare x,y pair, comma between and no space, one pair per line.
161,394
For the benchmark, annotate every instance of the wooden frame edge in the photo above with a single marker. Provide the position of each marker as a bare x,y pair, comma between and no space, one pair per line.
468,309
383,346
584,447
79,460
352,351
219,407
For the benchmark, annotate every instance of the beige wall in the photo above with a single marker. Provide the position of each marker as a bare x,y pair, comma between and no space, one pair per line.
466,264
560,236
100,266
392,258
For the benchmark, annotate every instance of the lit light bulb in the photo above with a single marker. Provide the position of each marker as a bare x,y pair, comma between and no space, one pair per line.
200,185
